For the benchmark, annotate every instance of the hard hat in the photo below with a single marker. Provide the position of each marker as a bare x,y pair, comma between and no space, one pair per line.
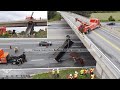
76,72
70,74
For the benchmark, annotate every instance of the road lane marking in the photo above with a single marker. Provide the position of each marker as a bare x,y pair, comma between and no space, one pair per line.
37,60
109,33
5,48
113,45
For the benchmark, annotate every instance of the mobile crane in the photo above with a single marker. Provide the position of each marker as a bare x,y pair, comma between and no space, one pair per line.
86,28
31,17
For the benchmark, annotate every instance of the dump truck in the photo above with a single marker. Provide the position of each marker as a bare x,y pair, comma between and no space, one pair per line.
86,28
62,50
3,56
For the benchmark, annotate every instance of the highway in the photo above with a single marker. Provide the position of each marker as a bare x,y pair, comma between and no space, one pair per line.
42,57
106,41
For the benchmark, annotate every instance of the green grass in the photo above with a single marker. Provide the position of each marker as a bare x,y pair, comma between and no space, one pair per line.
41,34
104,16
63,75
55,18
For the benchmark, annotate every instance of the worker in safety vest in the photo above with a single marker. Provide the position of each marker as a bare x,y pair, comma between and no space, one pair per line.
53,73
16,49
81,71
85,71
10,47
70,76
58,71
76,75
92,76
91,70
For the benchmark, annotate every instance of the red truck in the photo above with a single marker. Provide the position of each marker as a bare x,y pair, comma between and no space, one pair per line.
86,28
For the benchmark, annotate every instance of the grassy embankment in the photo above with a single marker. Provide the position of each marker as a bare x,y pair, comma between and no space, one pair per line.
41,34
104,16
63,74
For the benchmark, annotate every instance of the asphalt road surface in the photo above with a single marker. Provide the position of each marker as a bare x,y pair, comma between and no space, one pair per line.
41,56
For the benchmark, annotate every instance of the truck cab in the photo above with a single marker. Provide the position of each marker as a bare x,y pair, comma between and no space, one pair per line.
95,22
3,56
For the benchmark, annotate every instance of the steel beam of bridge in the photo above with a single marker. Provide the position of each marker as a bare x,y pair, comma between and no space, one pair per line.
107,67
23,23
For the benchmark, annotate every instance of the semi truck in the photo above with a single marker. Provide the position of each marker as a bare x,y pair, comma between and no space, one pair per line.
85,27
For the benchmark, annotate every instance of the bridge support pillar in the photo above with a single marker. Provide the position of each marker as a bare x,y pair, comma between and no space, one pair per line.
100,72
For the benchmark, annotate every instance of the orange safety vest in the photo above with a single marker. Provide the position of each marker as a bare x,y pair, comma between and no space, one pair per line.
92,76
91,70
75,75
85,71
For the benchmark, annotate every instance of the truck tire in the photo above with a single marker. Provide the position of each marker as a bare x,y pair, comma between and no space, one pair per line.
89,30
86,32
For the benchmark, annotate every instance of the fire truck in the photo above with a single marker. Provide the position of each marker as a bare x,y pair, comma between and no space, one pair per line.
85,27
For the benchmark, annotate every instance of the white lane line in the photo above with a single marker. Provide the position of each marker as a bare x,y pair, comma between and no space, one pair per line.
38,60
5,48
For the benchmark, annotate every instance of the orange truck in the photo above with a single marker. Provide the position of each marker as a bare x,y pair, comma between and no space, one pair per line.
86,28
3,56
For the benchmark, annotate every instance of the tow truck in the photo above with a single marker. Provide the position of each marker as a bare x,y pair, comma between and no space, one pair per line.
86,28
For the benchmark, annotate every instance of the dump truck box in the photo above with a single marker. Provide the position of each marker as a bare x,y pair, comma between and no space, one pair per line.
67,44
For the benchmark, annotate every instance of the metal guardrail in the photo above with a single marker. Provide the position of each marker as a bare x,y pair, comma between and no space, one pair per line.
104,58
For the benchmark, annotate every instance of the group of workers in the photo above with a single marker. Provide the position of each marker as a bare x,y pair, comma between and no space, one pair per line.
15,49
84,71
20,59
55,73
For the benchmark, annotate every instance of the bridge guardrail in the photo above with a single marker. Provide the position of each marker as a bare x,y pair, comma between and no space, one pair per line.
103,57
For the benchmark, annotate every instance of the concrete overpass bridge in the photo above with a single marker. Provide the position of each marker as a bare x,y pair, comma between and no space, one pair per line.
25,23
103,45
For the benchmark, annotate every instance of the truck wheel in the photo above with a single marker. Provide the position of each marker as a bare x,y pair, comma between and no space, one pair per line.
89,30
86,32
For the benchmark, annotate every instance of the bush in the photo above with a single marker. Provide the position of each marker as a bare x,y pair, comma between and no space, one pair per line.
111,18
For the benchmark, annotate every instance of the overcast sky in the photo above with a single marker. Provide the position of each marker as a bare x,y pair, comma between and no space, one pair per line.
21,15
